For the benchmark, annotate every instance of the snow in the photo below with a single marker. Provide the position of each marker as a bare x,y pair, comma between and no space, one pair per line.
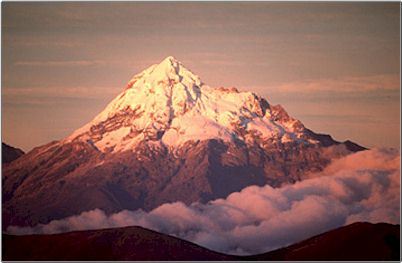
112,139
266,129
287,138
193,128
173,106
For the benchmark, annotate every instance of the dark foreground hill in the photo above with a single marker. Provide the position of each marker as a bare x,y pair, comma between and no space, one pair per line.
358,241
127,243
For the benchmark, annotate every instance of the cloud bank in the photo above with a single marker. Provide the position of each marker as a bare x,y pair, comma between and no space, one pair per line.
384,82
364,186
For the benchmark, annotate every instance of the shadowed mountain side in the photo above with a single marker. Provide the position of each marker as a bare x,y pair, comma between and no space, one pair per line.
9,153
77,177
358,241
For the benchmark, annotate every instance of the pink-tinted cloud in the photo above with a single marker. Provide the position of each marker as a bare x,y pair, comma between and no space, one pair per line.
60,63
361,187
72,92
338,85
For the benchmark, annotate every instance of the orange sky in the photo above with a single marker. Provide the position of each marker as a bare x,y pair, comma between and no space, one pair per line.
334,66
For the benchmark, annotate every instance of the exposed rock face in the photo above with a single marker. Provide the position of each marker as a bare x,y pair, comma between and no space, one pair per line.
167,137
55,181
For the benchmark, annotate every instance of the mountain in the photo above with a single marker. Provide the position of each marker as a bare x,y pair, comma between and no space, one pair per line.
128,243
355,242
358,241
9,153
166,137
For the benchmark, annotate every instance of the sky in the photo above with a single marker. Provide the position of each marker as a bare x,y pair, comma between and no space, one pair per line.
332,65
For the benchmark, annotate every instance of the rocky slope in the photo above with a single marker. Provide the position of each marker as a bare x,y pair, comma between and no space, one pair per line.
166,137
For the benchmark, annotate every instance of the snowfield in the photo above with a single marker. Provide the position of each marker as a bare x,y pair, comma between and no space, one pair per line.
173,106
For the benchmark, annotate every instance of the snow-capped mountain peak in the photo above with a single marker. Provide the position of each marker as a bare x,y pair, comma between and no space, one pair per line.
167,137
168,104
165,74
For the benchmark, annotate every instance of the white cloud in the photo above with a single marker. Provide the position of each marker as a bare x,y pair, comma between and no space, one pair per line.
364,186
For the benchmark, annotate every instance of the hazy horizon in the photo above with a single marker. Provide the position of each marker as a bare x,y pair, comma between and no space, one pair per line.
333,66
